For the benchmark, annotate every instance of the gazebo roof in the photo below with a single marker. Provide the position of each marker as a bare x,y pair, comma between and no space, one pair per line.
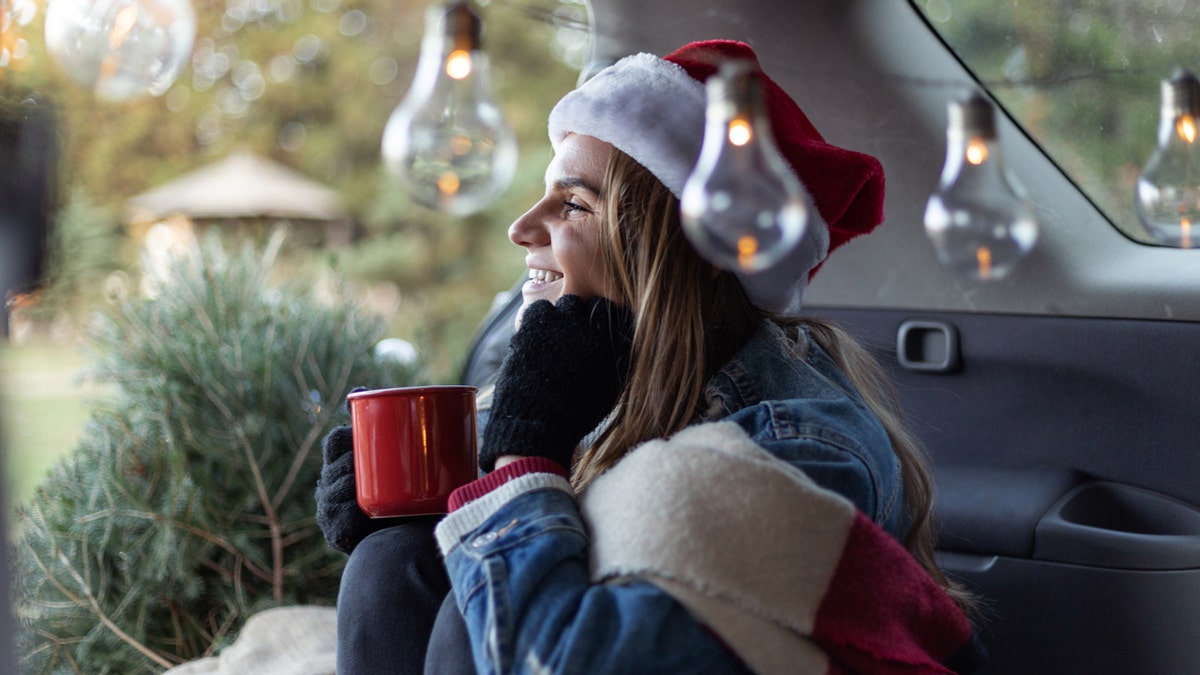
243,185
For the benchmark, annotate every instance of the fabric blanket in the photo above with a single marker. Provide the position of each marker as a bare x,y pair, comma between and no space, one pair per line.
298,640
813,587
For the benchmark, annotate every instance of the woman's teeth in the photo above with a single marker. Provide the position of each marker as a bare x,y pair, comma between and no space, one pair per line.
544,276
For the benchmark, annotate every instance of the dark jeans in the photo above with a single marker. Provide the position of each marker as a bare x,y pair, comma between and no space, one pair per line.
394,607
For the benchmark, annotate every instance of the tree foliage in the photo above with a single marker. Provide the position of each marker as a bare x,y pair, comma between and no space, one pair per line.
188,504
310,84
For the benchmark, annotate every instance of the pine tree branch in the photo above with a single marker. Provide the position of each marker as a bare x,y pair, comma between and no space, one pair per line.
177,626
220,632
272,523
313,435
88,601
55,643
224,544
238,588
300,535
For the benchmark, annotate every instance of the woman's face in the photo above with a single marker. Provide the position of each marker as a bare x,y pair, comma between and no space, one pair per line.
562,233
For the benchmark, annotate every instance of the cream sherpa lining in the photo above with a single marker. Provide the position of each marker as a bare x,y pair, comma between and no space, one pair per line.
781,537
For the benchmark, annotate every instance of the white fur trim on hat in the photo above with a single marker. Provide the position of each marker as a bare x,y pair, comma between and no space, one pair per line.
642,92
653,111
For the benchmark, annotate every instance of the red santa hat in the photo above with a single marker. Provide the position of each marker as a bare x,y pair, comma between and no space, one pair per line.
652,109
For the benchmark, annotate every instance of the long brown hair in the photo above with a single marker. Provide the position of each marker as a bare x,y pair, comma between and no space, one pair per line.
690,320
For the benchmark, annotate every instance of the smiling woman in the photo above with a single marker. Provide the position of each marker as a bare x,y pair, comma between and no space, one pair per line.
562,233
638,363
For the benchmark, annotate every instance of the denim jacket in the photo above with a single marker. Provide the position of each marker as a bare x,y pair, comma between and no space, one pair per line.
785,390
517,549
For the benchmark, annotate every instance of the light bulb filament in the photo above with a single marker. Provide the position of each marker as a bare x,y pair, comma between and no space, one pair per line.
977,152
122,24
458,64
983,255
747,248
1185,232
461,145
740,132
448,183
1185,126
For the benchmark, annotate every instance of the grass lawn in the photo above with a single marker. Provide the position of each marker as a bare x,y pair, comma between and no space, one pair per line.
43,409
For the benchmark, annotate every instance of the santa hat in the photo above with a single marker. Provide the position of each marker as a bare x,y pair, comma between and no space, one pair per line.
652,109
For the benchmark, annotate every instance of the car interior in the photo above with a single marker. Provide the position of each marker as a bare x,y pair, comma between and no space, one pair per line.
1055,403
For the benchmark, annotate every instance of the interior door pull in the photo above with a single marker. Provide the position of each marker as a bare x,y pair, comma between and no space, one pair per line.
928,346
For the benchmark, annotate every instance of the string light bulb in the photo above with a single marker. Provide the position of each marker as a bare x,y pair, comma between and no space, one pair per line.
743,208
121,49
1168,189
447,140
978,220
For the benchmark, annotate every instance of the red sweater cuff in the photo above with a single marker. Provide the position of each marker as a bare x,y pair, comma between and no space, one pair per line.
480,487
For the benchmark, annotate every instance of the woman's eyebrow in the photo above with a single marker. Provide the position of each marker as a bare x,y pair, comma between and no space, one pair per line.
569,182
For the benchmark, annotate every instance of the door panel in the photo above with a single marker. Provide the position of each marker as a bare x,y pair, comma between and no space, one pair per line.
1065,460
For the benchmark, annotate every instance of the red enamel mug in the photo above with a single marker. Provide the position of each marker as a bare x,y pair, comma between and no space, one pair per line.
412,447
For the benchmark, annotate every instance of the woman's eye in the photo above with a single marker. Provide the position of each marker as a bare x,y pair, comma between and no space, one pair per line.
570,206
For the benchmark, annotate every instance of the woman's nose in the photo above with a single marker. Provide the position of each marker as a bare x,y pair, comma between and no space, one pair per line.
528,230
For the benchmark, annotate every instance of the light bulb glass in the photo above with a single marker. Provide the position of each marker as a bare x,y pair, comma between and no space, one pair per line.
121,49
1168,189
978,220
743,209
447,141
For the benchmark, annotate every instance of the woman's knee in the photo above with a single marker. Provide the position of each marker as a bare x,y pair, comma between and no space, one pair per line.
399,560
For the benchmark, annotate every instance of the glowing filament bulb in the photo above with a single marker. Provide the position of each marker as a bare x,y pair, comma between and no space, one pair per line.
121,49
743,208
747,248
461,145
740,132
979,223
1168,189
448,183
977,152
984,257
122,23
458,64
447,141
1185,126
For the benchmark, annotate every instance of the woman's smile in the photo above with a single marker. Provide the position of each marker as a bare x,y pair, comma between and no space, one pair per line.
543,276
561,232
543,284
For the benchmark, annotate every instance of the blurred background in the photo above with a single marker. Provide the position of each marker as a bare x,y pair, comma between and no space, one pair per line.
274,121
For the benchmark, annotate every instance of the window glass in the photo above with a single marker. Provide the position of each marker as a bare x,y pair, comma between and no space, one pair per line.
1082,77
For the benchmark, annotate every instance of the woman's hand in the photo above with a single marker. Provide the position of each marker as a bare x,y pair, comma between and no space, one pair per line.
341,520
565,369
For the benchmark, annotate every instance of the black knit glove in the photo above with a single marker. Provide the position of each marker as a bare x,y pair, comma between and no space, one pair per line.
565,368
341,520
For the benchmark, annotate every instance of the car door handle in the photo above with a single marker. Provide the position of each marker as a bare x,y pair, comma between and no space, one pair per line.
928,346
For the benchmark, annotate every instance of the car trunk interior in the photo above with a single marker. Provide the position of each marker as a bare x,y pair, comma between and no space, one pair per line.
1057,406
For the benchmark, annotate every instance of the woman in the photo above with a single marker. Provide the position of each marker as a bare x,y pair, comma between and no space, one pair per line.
741,487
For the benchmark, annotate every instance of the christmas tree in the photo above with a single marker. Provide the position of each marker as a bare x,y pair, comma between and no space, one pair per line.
188,504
